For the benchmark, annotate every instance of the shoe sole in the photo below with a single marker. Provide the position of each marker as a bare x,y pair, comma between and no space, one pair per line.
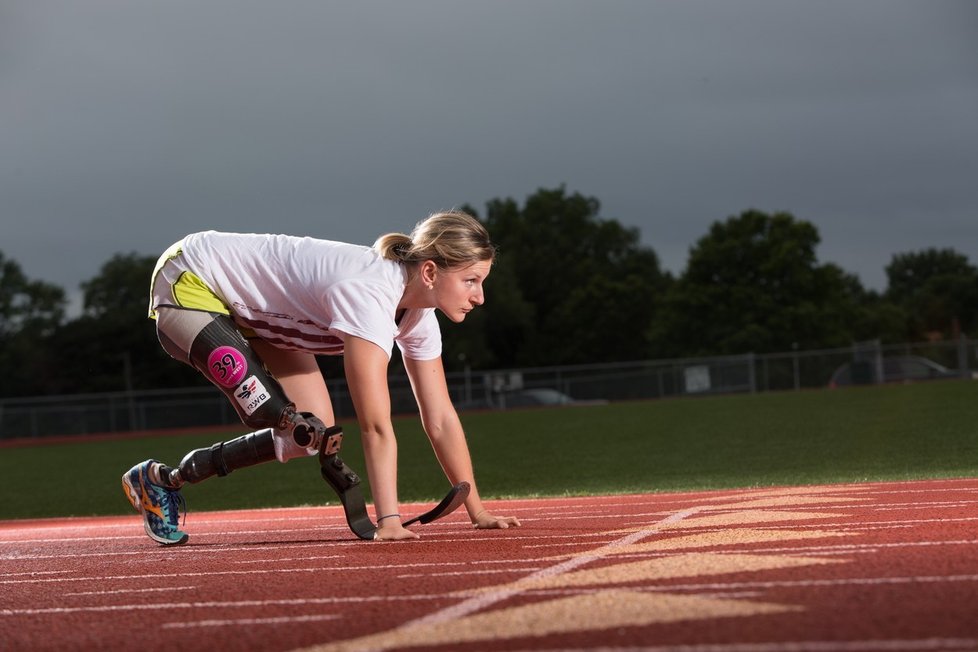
134,499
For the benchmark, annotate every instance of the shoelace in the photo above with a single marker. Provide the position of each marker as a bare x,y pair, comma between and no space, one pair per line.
173,501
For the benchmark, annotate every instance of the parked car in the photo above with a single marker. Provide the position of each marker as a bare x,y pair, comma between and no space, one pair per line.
537,397
895,369
542,396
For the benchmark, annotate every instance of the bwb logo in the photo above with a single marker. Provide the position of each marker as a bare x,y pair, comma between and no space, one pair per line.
251,395
246,390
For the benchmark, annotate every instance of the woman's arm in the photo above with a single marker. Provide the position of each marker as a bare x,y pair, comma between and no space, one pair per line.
365,365
444,429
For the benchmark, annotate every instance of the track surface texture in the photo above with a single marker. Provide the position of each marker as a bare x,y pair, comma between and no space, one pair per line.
861,567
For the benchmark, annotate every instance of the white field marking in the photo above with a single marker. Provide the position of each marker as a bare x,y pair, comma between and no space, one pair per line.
193,551
205,517
142,537
787,525
79,532
871,507
872,486
479,602
838,549
249,571
878,645
33,573
337,521
931,505
274,560
787,492
703,587
564,517
874,524
469,573
439,564
758,586
731,595
538,517
156,576
164,588
281,620
842,547
173,552
811,583
840,527
250,604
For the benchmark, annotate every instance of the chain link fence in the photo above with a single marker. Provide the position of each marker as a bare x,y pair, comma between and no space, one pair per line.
861,363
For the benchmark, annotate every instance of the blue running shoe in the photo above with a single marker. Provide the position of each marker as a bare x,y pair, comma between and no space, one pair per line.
160,507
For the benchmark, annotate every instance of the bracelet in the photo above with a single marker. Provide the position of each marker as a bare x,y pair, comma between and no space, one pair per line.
388,516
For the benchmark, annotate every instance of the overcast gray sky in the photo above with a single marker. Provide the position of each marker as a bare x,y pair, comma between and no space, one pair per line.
127,124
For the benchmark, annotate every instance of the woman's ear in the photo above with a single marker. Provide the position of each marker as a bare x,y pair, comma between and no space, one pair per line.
428,271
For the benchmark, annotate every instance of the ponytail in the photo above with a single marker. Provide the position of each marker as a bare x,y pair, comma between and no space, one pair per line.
393,246
451,239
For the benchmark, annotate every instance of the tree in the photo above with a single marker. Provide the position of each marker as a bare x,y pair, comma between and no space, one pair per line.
121,287
27,304
569,269
112,346
753,284
30,311
937,289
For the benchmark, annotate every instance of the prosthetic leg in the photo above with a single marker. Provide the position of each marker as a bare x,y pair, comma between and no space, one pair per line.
211,343
345,483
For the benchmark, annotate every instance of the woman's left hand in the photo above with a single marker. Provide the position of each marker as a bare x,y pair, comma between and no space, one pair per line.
486,521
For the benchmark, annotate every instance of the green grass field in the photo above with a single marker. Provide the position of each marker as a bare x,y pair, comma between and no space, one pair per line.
822,436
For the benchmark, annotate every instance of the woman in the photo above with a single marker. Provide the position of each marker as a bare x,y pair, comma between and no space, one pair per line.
252,311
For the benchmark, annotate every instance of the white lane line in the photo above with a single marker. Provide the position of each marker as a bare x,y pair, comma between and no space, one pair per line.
33,573
221,533
282,620
156,576
194,550
273,560
340,530
468,573
861,525
697,588
405,565
846,547
861,581
174,552
247,604
253,571
690,587
802,548
878,645
127,591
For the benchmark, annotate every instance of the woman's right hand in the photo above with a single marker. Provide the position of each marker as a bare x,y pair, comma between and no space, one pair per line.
392,530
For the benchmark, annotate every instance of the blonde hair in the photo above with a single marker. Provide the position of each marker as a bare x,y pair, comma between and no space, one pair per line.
451,239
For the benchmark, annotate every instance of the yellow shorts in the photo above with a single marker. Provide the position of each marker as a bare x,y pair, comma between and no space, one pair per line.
174,284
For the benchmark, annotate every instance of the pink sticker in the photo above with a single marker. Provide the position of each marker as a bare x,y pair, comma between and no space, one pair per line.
227,366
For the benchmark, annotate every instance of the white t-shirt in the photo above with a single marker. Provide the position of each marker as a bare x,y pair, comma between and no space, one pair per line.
306,294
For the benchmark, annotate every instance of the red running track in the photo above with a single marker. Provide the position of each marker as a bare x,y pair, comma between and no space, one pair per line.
855,568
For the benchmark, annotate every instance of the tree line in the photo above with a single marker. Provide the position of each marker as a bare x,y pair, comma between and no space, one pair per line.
568,287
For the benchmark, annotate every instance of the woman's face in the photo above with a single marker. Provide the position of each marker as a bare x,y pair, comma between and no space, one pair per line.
459,291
